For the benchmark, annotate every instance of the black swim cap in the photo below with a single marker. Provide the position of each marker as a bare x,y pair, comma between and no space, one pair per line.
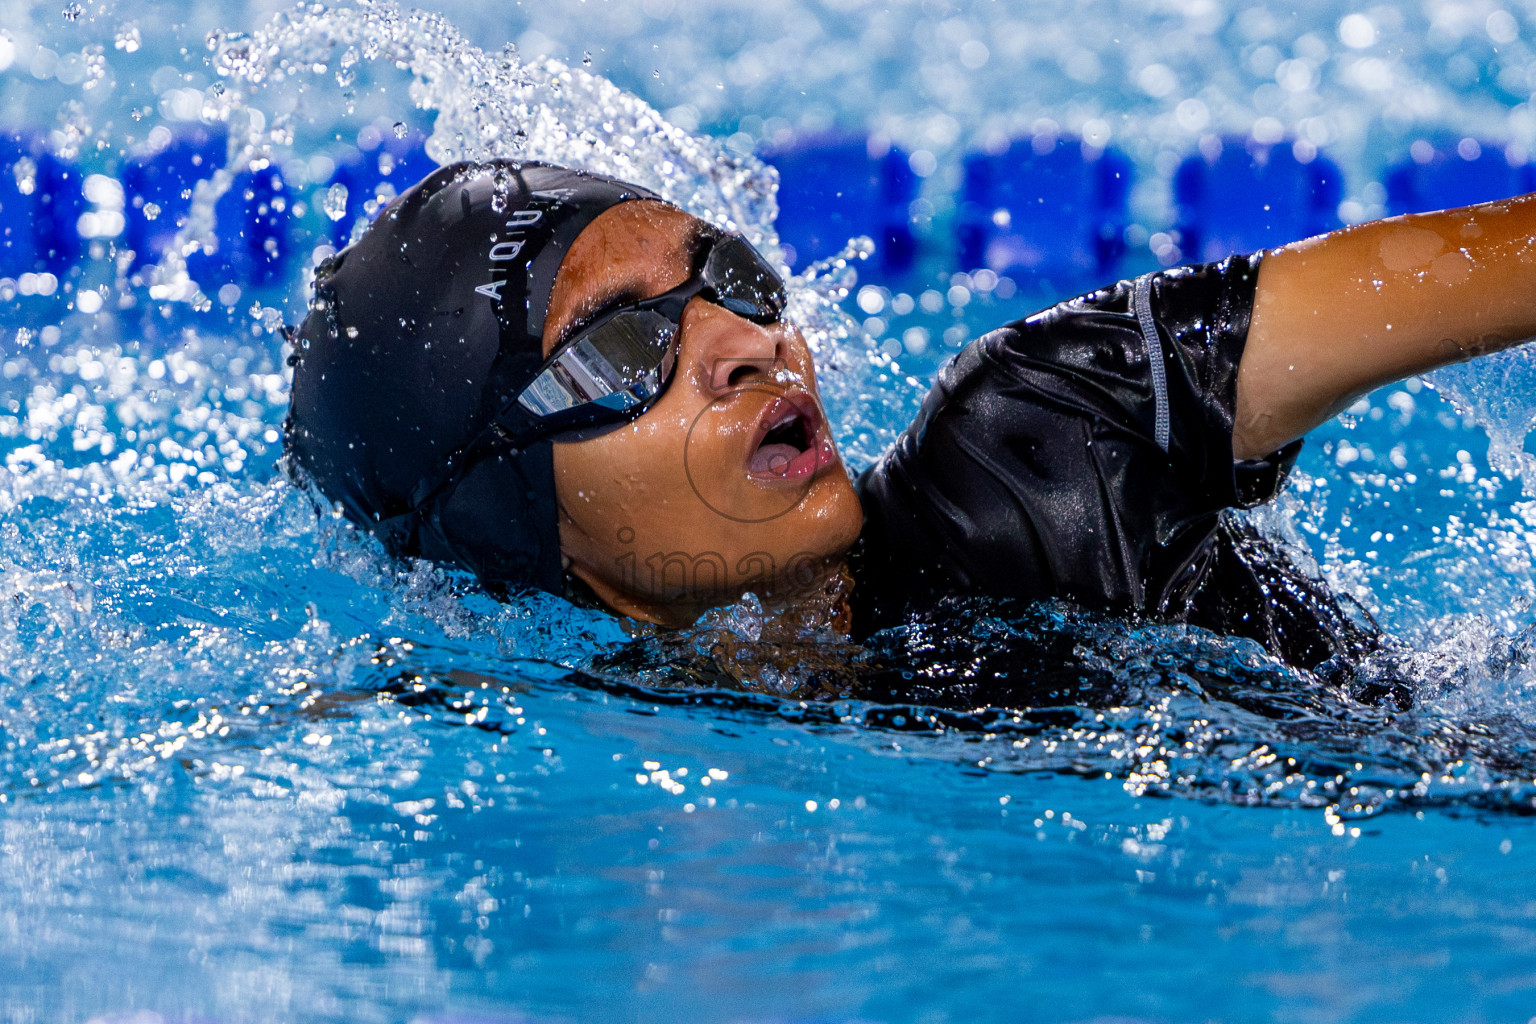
419,333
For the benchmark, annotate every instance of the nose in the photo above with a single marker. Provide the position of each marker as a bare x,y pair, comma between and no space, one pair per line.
727,349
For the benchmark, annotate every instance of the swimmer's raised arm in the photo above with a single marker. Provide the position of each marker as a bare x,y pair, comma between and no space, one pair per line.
1338,315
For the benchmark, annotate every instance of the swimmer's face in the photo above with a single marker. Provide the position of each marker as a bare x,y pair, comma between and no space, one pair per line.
730,482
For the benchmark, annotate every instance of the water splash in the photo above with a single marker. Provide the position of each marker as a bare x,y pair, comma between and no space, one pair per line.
157,525
1496,393
231,726
494,106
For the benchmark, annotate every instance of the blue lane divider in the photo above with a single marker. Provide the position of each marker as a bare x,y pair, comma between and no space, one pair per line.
41,200
1245,196
255,221
832,188
365,180
1455,173
1048,211
157,189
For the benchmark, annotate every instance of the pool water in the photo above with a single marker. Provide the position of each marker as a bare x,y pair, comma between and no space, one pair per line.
253,770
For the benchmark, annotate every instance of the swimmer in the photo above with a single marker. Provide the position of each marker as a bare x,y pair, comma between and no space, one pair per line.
556,381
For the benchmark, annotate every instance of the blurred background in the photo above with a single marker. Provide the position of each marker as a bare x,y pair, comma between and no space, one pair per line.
1051,146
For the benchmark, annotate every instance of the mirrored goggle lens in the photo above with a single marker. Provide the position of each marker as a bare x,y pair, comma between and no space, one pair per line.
618,364
743,282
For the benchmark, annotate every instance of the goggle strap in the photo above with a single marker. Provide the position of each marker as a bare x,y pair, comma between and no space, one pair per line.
511,428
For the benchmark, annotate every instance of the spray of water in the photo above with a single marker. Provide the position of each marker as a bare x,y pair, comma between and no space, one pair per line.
149,532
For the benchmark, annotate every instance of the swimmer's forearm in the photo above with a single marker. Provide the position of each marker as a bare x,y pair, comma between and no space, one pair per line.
1340,314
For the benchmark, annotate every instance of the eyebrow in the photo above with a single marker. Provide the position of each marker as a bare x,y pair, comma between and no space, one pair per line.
699,232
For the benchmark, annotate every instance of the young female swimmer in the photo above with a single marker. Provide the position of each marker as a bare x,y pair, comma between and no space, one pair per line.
555,380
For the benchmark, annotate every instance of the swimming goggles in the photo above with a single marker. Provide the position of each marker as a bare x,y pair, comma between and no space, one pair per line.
616,366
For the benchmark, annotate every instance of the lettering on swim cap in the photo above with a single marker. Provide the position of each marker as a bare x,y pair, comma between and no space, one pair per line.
509,249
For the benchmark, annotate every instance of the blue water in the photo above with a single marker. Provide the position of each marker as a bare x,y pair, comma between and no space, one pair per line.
252,770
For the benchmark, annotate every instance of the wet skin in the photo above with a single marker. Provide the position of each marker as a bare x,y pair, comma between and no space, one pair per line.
1338,315
730,482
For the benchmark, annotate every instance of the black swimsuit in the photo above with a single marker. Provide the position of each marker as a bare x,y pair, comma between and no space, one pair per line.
1054,459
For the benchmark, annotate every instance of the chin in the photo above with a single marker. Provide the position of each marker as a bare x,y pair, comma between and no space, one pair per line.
831,515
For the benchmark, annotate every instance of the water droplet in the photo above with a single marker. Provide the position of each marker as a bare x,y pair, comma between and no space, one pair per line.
586,57
127,38
25,172
72,12
400,129
151,211
501,184
334,202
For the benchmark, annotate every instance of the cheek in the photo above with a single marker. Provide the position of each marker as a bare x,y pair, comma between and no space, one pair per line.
716,436
676,480
631,473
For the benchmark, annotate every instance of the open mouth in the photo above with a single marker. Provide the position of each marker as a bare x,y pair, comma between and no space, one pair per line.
791,444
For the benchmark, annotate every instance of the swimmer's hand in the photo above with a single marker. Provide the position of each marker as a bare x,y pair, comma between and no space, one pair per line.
1338,315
